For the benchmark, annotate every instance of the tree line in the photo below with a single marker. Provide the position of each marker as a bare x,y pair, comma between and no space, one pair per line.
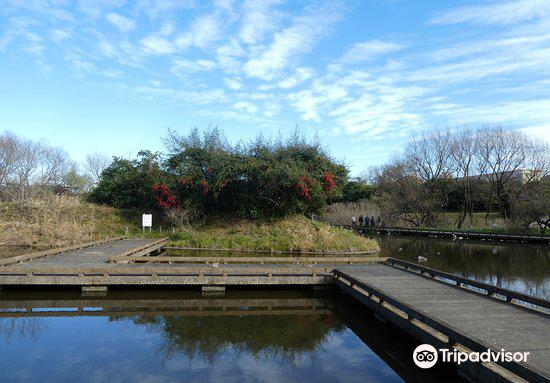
468,169
30,168
203,172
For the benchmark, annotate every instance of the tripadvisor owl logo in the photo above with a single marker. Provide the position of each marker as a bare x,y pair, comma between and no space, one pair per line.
425,356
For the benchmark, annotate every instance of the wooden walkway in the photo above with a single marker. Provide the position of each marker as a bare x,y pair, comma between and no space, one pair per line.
455,234
453,317
424,303
136,262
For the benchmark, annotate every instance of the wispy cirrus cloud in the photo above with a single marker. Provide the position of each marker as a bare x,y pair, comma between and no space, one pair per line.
324,65
123,24
495,13
368,50
293,41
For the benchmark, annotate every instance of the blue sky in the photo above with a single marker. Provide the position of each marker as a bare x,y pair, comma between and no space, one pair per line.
112,76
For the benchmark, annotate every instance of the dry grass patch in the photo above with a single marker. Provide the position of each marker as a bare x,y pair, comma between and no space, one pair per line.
296,234
57,221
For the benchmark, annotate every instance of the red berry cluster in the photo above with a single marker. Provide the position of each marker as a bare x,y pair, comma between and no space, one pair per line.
328,180
165,199
303,186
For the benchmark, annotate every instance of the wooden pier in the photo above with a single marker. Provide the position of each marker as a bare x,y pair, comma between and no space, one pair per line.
453,234
453,317
438,308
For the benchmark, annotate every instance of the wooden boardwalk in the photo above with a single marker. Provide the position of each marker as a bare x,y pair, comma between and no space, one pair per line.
455,234
433,311
452,317
131,262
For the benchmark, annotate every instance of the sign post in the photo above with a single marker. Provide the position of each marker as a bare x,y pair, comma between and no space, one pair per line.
146,221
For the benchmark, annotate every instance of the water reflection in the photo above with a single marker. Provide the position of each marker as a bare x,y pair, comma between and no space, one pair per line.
520,267
248,336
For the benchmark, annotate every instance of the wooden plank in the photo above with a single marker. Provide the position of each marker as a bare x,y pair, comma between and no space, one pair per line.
460,315
260,260
141,250
152,270
229,250
45,253
458,280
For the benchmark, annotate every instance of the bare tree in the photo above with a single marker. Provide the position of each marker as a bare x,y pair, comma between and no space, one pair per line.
428,155
468,166
532,208
402,195
95,164
9,156
27,167
513,161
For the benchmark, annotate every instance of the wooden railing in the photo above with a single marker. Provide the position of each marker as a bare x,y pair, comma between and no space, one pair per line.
488,289
445,332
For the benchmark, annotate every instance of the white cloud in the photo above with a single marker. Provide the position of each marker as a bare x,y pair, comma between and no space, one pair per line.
157,45
293,41
233,84
204,30
159,8
229,54
300,75
245,106
95,8
59,35
183,67
496,13
123,24
368,50
259,18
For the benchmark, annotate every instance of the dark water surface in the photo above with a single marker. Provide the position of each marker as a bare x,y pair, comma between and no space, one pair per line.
515,266
181,336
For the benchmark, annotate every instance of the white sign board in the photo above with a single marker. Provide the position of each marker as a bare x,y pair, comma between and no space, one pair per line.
147,220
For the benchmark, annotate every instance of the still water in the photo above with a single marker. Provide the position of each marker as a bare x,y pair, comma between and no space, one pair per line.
515,266
181,336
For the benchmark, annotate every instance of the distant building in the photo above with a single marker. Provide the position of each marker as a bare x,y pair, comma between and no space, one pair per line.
522,175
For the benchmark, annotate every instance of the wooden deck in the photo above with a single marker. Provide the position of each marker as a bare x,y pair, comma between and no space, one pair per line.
452,317
133,262
433,306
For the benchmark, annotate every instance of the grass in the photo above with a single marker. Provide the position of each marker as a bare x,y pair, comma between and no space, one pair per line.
293,234
59,221
62,220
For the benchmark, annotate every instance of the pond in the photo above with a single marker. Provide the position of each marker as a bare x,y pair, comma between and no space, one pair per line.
516,266
176,336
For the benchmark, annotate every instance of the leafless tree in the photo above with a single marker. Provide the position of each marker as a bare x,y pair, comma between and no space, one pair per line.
532,208
95,164
28,166
513,161
469,168
402,195
9,156
428,155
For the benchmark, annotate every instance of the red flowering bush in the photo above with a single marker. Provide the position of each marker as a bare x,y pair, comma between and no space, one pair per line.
260,179
304,185
328,181
165,199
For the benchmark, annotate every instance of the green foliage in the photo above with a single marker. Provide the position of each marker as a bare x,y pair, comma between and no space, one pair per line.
262,179
356,190
128,184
